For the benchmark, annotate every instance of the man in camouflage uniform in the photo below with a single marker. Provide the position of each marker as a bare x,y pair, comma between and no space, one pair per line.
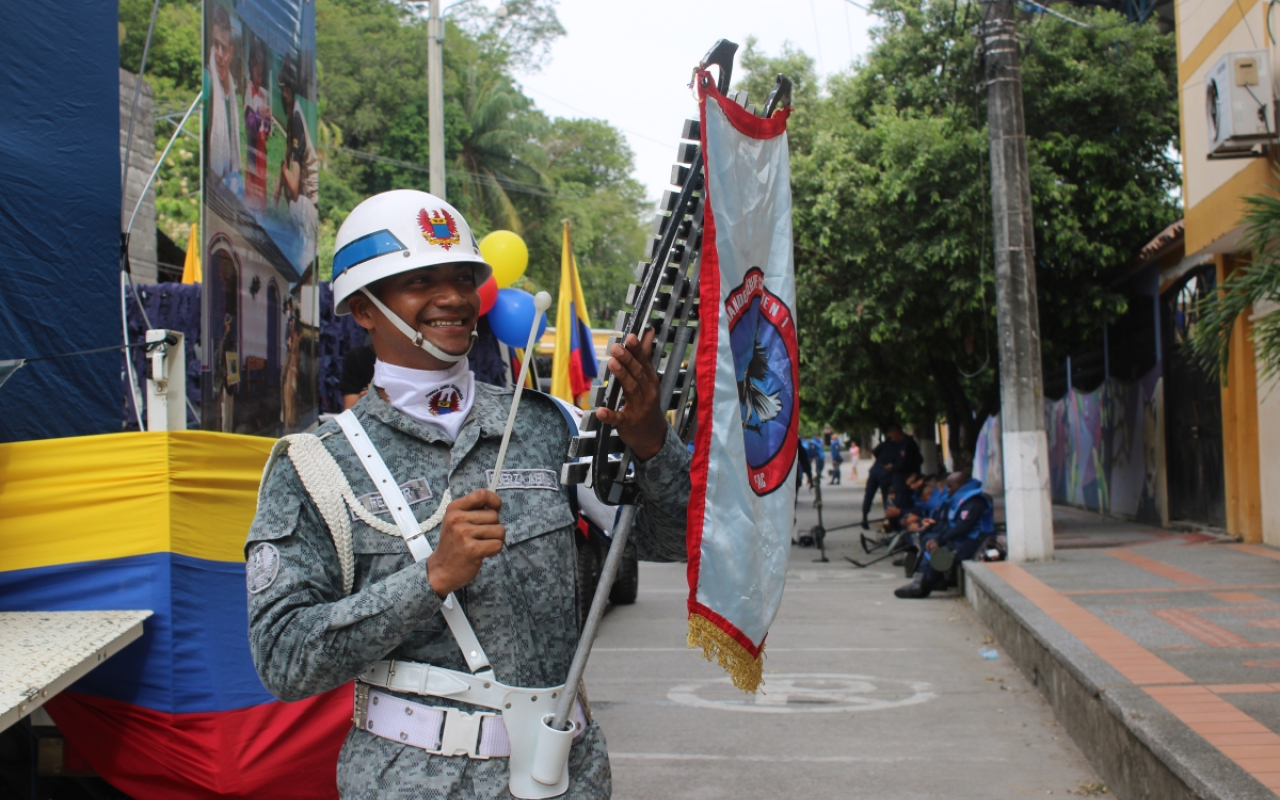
509,558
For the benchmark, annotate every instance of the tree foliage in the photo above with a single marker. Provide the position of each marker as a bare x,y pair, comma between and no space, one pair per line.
891,181
1254,288
507,164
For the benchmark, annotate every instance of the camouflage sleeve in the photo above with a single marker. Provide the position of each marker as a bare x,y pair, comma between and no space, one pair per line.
305,637
660,526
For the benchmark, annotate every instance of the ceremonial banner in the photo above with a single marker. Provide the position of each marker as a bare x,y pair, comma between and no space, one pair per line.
748,414
573,366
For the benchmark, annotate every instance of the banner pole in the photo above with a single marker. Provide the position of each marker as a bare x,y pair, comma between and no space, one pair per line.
617,544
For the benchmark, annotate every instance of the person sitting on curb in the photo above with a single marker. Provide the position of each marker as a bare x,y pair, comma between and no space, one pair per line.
968,521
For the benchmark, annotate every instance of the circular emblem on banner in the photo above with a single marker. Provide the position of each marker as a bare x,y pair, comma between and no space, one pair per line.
445,400
766,364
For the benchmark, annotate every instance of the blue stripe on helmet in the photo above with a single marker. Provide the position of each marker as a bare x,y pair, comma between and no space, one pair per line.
358,251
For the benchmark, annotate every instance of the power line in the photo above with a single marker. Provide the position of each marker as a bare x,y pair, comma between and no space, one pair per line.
867,9
510,184
1056,14
588,113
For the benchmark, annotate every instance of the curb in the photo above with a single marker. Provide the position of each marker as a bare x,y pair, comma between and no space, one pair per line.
1136,746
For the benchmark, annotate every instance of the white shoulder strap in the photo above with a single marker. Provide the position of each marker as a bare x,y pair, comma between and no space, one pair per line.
414,535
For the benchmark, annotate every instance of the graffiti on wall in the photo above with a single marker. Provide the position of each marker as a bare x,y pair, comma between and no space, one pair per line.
1105,448
988,461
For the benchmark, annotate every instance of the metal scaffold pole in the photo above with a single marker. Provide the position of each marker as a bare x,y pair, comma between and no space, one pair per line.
1028,509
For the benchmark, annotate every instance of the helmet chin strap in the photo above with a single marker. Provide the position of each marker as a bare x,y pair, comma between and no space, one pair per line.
415,336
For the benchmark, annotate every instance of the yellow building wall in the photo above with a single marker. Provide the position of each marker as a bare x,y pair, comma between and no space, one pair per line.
1213,196
1240,443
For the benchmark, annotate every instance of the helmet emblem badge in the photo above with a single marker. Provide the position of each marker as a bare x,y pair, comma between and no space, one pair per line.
439,227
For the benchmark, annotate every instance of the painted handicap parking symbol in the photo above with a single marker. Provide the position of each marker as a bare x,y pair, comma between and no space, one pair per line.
801,693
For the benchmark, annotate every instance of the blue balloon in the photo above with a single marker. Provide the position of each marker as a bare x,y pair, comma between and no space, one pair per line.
512,316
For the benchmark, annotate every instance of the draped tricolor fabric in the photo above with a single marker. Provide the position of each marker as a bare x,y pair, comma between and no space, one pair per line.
157,521
747,373
573,365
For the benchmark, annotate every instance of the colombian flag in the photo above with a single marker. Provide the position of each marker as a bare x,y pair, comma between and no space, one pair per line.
573,365
157,521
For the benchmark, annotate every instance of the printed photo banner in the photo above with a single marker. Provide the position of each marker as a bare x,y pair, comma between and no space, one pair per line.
748,370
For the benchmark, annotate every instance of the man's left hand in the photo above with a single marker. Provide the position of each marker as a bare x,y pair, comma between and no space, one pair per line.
640,422
931,545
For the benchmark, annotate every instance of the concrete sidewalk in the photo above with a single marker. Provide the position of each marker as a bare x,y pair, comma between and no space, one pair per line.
1159,652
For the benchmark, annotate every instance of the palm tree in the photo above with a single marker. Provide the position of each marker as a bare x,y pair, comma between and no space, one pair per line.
1256,284
499,154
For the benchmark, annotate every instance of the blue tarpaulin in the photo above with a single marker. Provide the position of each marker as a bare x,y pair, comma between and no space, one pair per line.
60,217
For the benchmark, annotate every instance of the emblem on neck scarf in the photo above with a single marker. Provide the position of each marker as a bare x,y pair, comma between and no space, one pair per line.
445,400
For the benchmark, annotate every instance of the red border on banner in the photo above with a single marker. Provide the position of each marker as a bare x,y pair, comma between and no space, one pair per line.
747,124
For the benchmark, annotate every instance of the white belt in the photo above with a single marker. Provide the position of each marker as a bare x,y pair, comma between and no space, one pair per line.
440,731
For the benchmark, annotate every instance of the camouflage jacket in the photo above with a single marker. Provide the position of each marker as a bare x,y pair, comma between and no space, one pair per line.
306,637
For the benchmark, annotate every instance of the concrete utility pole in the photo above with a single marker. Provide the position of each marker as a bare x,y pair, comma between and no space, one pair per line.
1028,508
435,101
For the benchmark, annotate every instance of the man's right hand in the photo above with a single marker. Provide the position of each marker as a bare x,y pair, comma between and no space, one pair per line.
469,534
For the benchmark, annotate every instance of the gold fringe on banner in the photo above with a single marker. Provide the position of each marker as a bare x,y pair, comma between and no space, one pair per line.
746,672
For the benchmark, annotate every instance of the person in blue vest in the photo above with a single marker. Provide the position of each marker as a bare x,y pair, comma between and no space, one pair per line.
967,522
837,458
897,457
817,456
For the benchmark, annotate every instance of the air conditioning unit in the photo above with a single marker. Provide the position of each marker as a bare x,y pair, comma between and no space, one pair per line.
1239,105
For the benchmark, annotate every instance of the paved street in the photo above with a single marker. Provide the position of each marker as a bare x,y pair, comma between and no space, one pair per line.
865,695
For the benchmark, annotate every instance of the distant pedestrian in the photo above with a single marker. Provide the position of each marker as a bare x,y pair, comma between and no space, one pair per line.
805,472
817,456
837,458
855,453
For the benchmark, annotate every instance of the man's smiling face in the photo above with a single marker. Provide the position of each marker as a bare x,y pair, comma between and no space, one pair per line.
223,51
440,302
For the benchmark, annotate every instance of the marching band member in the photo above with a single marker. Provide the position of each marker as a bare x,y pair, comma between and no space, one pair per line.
339,589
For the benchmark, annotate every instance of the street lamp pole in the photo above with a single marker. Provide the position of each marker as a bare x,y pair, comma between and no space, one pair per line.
435,100
1028,509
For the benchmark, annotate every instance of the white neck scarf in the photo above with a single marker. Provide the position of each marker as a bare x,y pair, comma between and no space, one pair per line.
441,399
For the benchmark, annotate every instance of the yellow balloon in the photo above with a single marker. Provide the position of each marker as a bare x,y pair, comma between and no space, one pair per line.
506,253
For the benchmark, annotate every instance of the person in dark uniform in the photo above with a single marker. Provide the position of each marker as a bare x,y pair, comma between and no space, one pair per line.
805,470
968,521
896,457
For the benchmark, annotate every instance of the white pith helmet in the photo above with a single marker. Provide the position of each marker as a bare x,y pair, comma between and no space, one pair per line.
395,232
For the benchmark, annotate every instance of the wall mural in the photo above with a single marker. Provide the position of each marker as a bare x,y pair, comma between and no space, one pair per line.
1105,449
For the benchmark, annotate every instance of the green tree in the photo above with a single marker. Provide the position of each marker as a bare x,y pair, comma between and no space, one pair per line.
589,166
891,183
508,166
174,73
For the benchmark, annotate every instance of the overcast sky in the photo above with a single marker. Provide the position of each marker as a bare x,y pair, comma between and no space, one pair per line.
629,62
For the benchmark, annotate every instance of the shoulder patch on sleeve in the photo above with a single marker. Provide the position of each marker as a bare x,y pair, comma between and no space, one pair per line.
262,567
